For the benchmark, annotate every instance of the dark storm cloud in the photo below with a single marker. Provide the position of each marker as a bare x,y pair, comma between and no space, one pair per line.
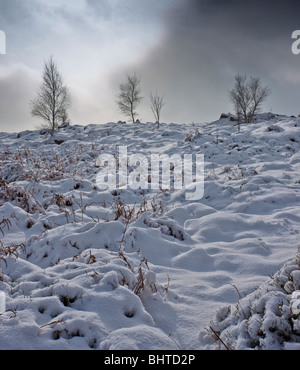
241,29
263,18
208,41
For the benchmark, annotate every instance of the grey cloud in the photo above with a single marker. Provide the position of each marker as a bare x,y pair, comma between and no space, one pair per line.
132,11
100,8
252,17
13,11
15,97
200,47
208,41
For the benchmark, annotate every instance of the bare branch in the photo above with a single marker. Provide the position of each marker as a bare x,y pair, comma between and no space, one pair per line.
247,97
157,102
130,96
53,99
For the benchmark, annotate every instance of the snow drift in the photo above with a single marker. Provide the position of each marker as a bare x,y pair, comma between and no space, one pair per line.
141,269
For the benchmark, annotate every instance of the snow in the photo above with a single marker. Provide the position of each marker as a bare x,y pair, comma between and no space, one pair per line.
266,319
144,269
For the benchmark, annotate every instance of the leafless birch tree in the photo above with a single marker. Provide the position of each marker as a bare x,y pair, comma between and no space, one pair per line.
53,99
130,96
157,102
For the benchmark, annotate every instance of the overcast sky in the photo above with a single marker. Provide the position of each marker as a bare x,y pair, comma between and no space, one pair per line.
187,50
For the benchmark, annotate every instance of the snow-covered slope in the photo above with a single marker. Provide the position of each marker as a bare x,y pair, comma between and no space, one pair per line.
145,269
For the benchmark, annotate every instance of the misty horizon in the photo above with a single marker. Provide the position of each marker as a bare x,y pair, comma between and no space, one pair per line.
188,51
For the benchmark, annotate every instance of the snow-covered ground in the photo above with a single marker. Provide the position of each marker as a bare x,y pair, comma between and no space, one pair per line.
145,269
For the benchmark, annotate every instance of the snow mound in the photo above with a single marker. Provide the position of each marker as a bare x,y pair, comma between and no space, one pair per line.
84,268
138,338
267,319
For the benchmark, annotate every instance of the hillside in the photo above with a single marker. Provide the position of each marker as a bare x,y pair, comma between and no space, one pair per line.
84,268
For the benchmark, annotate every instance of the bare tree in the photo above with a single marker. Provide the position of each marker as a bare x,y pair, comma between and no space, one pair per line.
157,102
247,97
130,96
258,96
53,99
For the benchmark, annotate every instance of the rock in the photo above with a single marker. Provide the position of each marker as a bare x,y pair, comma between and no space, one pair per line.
45,131
58,142
23,133
64,125
223,115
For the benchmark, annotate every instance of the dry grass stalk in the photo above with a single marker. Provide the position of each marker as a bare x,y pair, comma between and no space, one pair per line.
9,251
219,339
